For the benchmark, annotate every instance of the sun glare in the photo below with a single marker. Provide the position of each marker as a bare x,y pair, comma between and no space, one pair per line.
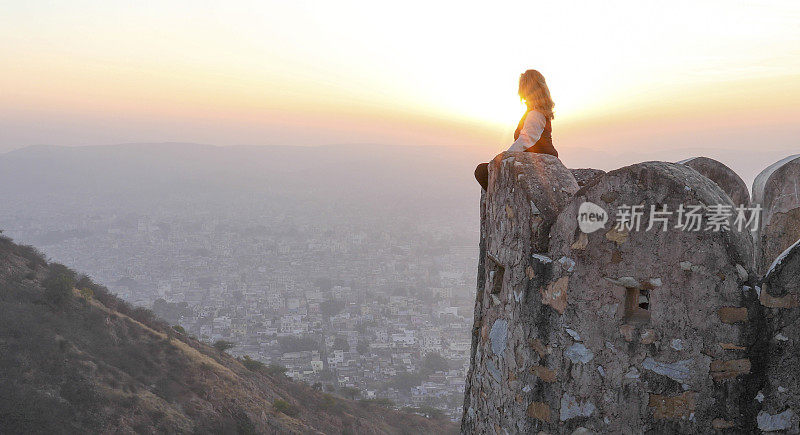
251,60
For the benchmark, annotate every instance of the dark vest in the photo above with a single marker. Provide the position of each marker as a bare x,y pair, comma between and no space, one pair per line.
545,143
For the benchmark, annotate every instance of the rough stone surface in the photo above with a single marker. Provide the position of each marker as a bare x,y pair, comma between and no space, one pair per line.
498,336
544,373
578,353
572,345
540,411
777,190
680,406
730,182
781,392
585,175
631,331
732,314
722,369
785,421
680,371
619,268
571,408
525,193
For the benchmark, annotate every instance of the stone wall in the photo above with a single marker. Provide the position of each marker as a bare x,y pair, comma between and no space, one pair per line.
622,331
780,295
729,181
516,213
777,190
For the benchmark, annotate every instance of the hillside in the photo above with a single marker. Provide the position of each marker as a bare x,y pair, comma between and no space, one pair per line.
74,358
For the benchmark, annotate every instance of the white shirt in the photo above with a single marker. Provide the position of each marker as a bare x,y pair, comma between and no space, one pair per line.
531,131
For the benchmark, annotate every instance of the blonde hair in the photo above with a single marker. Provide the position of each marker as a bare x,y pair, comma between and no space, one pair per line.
533,89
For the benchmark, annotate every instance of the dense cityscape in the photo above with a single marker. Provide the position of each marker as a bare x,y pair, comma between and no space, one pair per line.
369,311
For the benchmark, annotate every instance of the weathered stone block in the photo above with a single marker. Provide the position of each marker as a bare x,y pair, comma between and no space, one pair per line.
732,314
728,180
555,294
671,285
544,373
599,310
625,330
785,421
538,410
586,175
572,408
729,369
680,406
780,292
525,193
777,190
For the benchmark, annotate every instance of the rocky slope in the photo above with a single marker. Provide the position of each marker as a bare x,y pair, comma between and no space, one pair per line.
75,359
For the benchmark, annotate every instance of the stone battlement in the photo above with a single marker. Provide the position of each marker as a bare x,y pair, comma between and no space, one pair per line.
629,331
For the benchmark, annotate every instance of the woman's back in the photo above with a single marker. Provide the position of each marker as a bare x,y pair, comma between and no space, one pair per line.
534,132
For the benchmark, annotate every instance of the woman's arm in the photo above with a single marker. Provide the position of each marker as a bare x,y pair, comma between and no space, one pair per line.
531,131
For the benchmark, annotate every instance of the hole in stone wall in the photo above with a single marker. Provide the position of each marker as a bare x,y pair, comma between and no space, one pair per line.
496,273
637,305
644,299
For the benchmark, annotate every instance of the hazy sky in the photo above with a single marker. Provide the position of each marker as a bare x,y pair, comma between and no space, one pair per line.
626,75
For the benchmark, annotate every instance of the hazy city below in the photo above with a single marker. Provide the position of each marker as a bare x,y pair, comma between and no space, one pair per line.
352,266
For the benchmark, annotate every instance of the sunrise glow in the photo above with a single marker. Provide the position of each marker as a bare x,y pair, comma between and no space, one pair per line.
310,73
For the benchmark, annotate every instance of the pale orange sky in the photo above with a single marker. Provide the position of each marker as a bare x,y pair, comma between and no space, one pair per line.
626,75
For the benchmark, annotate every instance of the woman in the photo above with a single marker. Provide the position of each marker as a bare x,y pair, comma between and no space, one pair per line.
533,133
